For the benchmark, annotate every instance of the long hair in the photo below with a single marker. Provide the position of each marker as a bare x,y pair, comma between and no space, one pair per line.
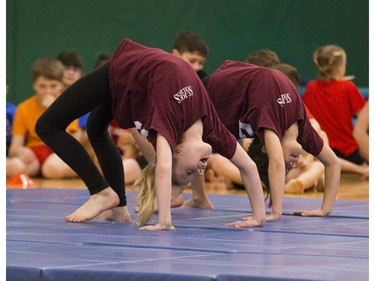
147,194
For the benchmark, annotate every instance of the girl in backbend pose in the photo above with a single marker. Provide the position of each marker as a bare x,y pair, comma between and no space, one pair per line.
160,95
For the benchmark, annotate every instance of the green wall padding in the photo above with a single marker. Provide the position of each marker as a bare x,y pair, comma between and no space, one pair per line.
231,28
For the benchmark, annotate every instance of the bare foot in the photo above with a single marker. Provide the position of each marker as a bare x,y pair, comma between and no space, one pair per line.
191,203
294,186
175,202
118,214
97,203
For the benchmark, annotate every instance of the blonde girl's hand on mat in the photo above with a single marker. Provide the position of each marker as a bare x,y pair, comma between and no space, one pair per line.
246,222
312,213
158,227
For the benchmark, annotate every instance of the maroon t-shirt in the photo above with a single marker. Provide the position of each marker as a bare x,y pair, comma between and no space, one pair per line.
155,91
249,98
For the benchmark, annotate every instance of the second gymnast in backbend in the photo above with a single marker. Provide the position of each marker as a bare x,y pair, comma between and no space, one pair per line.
252,100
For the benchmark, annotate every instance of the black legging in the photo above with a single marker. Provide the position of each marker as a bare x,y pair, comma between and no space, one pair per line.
89,94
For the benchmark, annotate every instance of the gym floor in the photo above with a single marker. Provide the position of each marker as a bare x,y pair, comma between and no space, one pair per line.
42,246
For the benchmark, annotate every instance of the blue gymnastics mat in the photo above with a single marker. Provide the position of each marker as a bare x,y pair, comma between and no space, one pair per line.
41,245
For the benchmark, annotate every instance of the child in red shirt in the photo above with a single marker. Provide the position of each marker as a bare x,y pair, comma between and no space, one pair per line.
334,101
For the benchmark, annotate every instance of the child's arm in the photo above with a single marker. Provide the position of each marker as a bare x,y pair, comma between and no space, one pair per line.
276,173
163,185
251,180
18,149
332,174
360,131
144,145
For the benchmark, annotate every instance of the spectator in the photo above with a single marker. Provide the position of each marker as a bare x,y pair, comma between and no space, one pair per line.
334,101
27,153
191,48
73,67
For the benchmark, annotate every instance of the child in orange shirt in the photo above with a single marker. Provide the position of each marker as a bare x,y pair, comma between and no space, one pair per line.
28,154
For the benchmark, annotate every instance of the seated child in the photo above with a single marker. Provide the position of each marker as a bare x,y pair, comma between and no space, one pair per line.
28,154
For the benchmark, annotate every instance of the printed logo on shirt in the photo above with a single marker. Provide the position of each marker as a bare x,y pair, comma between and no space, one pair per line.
183,94
283,99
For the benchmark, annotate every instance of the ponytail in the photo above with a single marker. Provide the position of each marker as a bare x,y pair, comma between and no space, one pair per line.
146,195
327,58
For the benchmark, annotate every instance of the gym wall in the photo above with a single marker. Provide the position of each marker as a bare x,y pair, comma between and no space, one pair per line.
231,28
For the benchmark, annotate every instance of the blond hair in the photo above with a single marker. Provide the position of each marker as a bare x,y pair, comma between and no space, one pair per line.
146,195
327,58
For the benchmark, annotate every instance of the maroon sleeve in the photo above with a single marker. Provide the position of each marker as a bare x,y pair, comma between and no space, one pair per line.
217,135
